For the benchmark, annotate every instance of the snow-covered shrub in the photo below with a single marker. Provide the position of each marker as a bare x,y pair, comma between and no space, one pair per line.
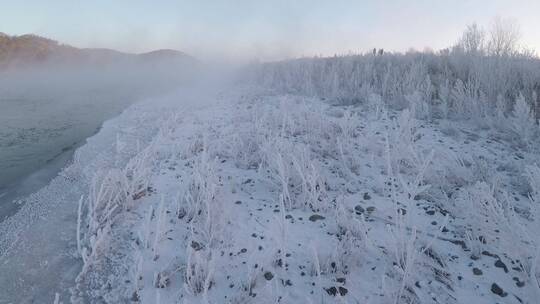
313,185
245,147
523,121
158,229
137,172
111,192
116,189
531,261
416,186
79,224
401,138
352,228
403,190
282,174
451,171
488,210
418,105
533,175
333,261
353,237
200,207
195,145
147,229
405,250
499,119
347,144
199,271
347,123
494,222
349,156
250,282
443,101
401,156
376,105
108,194
474,243
246,150
467,100
482,170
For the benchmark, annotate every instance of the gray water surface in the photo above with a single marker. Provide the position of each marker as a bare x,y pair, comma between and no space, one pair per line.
39,134
46,113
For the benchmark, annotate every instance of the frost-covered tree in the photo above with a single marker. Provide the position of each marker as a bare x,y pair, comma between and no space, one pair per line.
504,37
524,122
472,40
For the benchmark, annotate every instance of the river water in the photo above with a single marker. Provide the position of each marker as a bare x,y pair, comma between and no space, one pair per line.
39,134
46,114
44,117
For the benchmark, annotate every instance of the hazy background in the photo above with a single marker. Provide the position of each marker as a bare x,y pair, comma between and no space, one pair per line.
262,29
47,110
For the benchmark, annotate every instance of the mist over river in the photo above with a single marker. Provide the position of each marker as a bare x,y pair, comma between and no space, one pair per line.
46,114
41,133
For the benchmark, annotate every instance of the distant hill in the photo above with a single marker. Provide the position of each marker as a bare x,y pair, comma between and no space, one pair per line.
31,50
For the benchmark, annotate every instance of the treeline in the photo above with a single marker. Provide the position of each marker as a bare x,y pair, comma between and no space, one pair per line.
483,75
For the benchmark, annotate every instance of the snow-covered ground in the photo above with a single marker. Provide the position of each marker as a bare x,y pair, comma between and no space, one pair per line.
249,196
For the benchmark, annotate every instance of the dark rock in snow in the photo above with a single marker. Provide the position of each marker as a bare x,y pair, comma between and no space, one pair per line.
161,281
268,275
135,297
518,282
196,246
331,291
489,254
500,264
342,291
482,239
181,213
316,217
498,290
477,271
367,197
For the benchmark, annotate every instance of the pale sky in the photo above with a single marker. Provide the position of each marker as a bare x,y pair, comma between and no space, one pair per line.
262,29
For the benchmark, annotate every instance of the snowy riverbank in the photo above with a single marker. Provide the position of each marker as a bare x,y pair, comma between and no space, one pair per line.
37,245
259,198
